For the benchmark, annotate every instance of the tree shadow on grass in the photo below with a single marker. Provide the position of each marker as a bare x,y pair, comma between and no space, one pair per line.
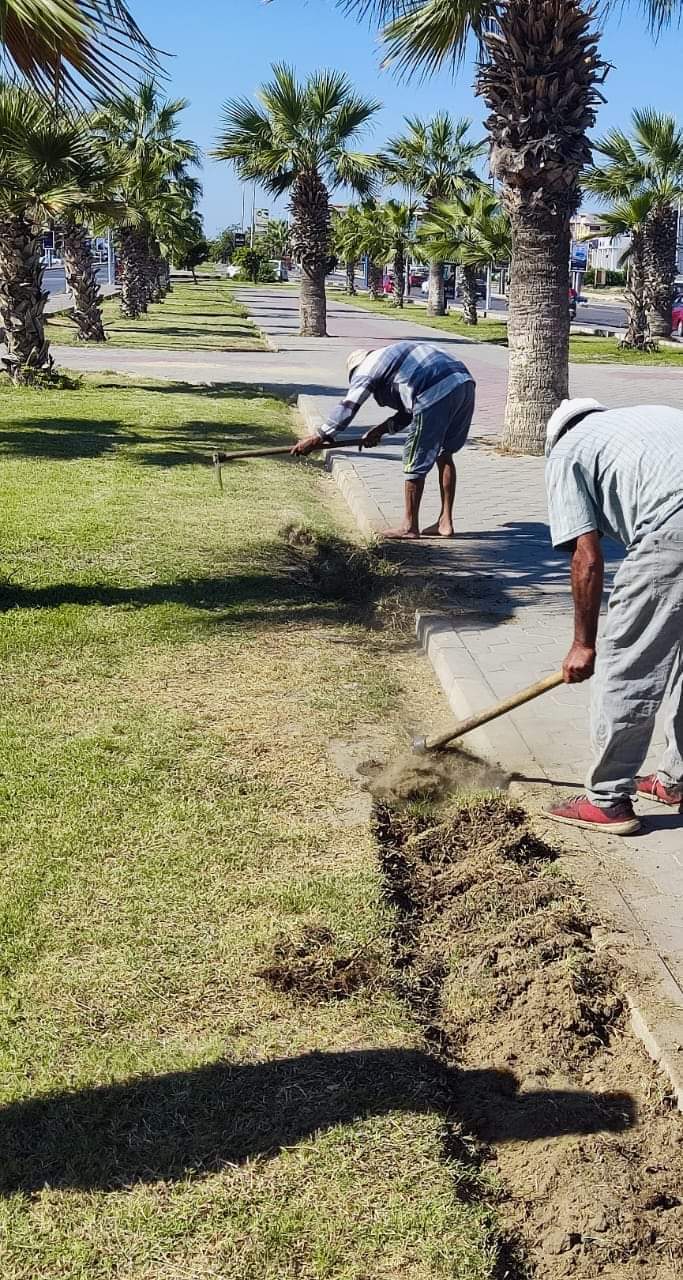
60,439
63,438
195,1122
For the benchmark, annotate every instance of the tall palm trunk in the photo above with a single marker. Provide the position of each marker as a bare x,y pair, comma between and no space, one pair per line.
436,302
399,277
659,255
310,240
81,280
351,279
22,301
540,85
375,280
469,295
133,292
637,333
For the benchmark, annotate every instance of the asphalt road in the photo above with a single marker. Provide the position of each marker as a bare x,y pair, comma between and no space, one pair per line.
588,313
55,282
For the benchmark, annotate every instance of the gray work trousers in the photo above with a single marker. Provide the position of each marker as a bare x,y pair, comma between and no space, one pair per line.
640,668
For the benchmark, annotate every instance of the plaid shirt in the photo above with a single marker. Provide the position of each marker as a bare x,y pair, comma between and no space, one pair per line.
407,377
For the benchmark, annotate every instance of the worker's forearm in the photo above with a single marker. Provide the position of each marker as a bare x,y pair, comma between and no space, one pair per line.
587,583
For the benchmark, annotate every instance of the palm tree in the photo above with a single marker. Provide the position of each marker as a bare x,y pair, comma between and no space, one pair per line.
347,241
472,231
275,238
299,141
50,169
142,130
399,222
540,78
67,44
375,243
650,163
435,158
629,217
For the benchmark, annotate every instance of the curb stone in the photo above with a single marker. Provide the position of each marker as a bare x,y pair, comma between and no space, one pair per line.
653,996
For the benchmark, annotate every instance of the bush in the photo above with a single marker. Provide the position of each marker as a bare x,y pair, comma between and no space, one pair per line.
613,278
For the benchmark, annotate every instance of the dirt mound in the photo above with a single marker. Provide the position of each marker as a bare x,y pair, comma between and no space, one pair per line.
313,967
432,776
497,960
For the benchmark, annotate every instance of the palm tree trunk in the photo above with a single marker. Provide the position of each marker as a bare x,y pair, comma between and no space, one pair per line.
399,278
436,303
81,280
375,280
540,83
538,326
22,302
660,269
469,295
133,294
637,334
310,239
351,279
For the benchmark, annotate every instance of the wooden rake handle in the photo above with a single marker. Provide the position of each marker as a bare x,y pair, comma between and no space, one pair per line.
500,709
239,454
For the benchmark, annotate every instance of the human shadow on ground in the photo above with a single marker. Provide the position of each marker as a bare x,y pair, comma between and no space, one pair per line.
195,1122
274,582
523,549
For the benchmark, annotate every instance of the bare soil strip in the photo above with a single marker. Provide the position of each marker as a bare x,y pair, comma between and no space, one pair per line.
552,1096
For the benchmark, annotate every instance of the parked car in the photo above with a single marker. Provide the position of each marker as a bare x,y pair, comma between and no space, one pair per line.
279,270
417,276
677,316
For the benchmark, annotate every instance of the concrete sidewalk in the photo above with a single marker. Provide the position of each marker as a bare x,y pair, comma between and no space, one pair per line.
507,620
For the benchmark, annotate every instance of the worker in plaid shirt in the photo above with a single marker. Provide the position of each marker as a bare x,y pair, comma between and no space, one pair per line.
432,396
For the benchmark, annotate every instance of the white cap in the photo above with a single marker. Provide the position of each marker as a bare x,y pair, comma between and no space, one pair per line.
563,416
357,357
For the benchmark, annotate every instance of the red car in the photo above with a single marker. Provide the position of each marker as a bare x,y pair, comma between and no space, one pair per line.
677,317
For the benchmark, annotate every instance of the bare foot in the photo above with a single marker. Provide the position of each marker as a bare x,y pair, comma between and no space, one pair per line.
438,530
403,535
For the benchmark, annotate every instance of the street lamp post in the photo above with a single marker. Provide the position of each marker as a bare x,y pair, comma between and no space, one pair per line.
110,257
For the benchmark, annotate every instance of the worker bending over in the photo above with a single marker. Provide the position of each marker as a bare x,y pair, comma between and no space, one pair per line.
432,396
620,472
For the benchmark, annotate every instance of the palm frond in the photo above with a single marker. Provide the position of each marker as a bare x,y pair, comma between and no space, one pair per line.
78,47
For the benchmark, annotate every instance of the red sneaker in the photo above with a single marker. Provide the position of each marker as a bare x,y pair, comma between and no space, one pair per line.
619,818
655,790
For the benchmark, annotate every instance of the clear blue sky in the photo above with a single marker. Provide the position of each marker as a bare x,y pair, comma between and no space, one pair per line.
224,48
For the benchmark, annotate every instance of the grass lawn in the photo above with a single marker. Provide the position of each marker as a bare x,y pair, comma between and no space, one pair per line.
587,350
178,676
485,331
582,349
194,317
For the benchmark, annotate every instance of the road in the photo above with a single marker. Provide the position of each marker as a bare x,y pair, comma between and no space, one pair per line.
54,280
607,315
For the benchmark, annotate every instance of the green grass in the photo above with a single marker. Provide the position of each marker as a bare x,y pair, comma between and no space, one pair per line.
588,350
201,317
485,331
173,672
583,349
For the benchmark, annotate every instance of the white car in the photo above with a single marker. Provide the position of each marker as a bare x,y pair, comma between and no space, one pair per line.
279,270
